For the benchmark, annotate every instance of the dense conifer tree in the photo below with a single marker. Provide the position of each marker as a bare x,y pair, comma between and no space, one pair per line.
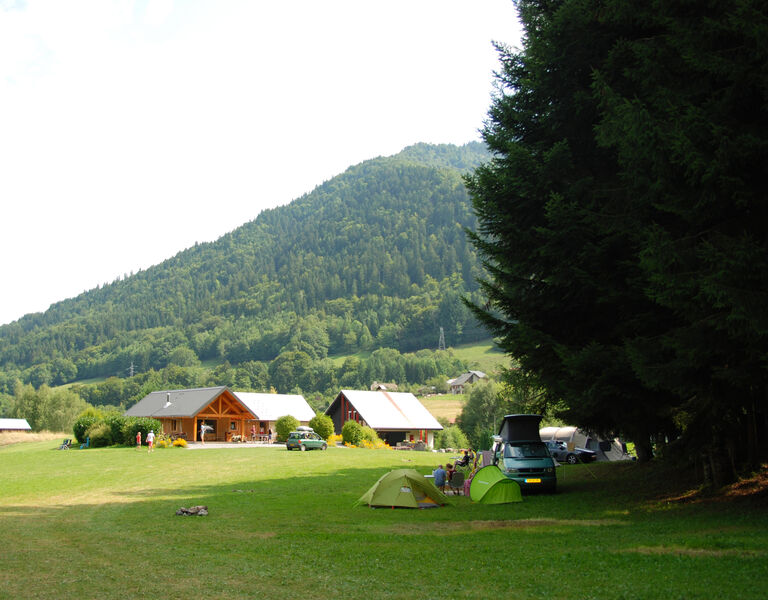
622,222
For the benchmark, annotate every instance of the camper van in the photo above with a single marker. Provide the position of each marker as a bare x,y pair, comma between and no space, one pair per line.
521,455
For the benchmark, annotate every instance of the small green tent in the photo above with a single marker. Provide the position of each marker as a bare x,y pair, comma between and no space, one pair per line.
405,488
490,486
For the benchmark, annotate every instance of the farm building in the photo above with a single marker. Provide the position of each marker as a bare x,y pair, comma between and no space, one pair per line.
224,412
395,416
14,425
457,385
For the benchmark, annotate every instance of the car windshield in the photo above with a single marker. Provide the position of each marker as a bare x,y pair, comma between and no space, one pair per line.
525,450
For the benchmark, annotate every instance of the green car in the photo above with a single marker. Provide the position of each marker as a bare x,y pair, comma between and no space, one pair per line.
304,438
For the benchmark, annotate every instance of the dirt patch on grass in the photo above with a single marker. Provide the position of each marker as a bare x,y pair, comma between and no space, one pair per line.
752,488
703,552
458,527
17,437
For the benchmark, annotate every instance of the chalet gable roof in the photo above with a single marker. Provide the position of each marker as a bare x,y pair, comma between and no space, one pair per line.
183,403
389,410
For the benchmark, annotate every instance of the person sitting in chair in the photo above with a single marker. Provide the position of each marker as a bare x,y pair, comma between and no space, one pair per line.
464,460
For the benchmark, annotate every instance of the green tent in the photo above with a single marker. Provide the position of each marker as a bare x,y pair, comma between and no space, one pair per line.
405,488
490,486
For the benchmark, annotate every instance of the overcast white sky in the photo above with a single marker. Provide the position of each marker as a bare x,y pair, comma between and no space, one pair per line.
131,129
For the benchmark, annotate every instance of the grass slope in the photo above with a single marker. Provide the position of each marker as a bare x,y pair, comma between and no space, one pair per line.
101,523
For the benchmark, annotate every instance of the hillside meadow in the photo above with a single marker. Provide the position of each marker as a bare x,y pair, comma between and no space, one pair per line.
101,523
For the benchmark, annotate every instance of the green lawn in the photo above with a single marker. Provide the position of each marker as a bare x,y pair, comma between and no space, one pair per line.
101,523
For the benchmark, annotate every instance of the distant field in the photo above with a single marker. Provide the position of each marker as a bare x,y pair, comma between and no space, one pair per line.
482,356
447,406
101,523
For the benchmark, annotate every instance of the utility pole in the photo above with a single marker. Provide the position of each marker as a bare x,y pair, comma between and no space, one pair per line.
130,370
441,343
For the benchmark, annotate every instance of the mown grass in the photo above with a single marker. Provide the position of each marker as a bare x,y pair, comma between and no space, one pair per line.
447,406
101,523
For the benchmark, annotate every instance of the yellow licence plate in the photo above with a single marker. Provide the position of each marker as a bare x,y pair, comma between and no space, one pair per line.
533,480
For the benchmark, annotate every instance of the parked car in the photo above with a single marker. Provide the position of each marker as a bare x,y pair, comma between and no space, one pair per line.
559,451
304,438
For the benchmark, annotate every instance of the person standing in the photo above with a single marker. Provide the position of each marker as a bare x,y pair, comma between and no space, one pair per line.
138,440
151,440
202,432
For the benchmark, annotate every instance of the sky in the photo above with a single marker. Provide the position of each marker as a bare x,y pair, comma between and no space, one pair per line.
132,129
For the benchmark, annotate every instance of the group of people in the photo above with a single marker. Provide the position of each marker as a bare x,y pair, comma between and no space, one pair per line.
443,476
150,440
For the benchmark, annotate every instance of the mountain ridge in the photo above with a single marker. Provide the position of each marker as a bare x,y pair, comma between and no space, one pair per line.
384,231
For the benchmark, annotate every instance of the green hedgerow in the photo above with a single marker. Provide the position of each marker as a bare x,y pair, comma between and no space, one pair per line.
100,434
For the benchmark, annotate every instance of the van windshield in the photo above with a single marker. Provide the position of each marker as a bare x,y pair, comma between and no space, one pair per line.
525,450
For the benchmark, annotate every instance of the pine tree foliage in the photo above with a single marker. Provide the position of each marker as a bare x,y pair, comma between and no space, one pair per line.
623,222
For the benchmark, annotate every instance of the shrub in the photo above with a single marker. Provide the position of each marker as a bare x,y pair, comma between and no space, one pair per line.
323,426
352,433
133,425
180,443
116,421
334,439
100,434
87,418
369,434
451,437
284,425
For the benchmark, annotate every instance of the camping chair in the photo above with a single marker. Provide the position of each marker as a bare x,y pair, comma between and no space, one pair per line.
456,482
65,444
87,443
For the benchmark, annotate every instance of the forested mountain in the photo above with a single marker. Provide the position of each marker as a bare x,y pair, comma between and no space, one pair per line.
374,258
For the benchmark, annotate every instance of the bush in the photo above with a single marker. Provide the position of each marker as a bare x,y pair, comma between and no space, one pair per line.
352,433
369,435
100,434
180,443
451,437
116,422
284,425
87,418
323,426
133,425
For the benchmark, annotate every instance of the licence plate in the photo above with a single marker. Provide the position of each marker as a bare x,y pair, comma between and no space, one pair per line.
533,480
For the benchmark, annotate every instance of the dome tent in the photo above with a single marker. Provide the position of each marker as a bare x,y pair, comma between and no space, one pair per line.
405,488
490,486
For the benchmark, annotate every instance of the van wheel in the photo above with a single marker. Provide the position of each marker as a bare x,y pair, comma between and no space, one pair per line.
572,459
325,447
303,447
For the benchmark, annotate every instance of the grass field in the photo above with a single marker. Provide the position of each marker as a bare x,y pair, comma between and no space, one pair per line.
448,406
101,523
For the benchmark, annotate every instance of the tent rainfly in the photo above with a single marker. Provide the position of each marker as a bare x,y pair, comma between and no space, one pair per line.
403,488
490,486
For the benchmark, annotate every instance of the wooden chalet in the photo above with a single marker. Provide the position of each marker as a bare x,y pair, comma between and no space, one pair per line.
182,412
395,416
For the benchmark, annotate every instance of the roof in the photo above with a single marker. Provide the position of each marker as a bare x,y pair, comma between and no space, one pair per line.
15,424
183,403
390,410
464,377
270,407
